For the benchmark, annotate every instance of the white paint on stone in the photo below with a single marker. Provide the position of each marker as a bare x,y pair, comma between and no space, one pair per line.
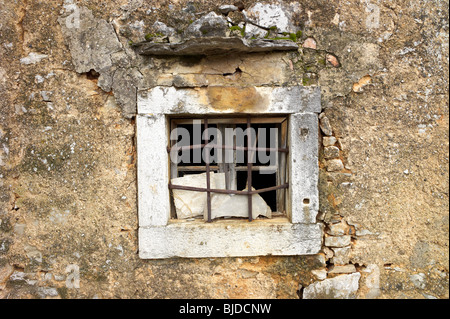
268,15
373,16
152,166
419,280
304,168
33,58
73,277
372,281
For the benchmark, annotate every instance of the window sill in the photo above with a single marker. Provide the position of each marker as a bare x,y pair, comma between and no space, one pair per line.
229,238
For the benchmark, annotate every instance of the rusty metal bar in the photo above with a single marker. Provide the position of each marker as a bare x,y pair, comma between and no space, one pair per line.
215,168
249,170
228,191
208,179
250,152
238,148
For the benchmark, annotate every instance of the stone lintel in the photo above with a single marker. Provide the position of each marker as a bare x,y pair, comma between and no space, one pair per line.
226,100
214,46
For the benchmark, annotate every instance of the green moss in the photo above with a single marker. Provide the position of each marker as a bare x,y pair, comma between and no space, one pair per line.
322,61
290,36
271,30
306,81
238,28
150,36
310,68
280,38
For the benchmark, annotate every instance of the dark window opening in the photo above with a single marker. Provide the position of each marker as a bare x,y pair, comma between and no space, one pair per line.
229,153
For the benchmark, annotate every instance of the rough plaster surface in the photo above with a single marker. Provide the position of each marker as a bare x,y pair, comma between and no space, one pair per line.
68,214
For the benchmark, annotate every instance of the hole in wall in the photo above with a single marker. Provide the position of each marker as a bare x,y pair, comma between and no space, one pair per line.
237,72
300,292
92,75
306,201
304,132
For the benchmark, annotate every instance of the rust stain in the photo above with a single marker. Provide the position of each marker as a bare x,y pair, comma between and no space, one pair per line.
238,99
332,201
365,80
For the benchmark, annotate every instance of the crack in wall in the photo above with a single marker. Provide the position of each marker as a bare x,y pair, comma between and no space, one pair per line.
20,26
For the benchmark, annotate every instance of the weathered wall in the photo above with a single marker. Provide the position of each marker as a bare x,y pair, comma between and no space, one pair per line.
68,216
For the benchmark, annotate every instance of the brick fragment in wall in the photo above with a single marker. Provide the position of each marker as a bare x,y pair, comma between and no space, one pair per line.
310,43
333,60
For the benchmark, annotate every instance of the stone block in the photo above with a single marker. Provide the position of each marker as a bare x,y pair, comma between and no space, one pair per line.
331,152
341,255
303,130
334,165
338,241
328,140
340,287
325,125
229,238
268,15
338,229
210,25
343,269
320,274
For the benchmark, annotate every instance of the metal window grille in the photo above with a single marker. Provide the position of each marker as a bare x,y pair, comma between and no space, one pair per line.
250,153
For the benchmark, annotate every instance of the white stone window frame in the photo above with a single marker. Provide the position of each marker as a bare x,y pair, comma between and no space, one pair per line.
162,237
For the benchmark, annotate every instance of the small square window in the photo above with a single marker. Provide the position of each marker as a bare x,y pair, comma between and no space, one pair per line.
183,136
245,167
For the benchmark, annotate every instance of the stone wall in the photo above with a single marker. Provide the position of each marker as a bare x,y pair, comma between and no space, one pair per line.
69,78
